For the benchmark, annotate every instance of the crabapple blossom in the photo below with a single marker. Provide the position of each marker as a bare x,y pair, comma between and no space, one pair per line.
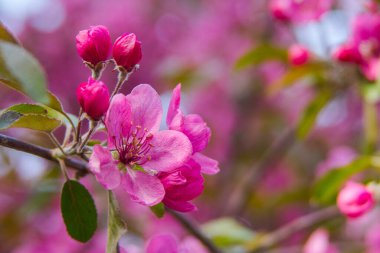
355,199
127,51
94,44
298,55
93,97
137,150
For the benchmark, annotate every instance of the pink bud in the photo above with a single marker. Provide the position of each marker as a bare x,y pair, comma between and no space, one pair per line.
127,51
298,55
345,53
281,9
354,200
94,44
93,97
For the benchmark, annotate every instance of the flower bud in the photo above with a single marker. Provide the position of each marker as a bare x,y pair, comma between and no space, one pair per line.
93,97
281,10
298,55
94,44
127,51
354,200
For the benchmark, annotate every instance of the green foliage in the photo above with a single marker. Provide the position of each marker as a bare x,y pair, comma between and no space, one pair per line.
5,35
226,232
36,117
158,210
78,211
116,225
260,54
326,189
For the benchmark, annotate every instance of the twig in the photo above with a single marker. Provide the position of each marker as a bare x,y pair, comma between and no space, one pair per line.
241,195
294,226
13,143
186,223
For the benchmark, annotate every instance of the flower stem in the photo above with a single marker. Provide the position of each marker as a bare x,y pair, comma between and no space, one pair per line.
93,125
56,143
121,78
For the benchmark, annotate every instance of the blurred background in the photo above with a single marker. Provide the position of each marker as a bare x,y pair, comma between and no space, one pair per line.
231,58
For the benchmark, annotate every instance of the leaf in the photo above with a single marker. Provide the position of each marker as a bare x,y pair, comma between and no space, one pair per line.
158,210
31,116
227,232
116,225
326,189
6,35
311,112
78,211
260,54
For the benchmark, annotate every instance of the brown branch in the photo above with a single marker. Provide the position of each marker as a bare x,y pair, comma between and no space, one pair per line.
16,144
294,226
192,228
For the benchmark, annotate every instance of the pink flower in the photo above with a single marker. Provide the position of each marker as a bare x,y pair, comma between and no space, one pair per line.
94,44
93,97
194,128
168,243
127,51
318,242
298,55
137,151
182,185
363,47
354,200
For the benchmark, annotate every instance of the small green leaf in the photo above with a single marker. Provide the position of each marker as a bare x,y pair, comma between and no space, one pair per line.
226,232
6,35
327,188
116,225
158,210
311,112
78,211
260,54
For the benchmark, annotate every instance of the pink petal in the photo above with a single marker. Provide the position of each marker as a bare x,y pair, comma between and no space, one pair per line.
197,131
170,149
174,104
142,187
118,119
163,243
104,168
180,206
208,165
146,107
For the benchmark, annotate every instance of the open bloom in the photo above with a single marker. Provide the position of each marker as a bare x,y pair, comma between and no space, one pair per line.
94,44
137,150
194,127
127,51
355,199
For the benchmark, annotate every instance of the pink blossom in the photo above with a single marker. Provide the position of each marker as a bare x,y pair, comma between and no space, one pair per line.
318,242
182,185
168,243
363,47
93,97
298,55
137,150
127,51
354,200
194,127
94,44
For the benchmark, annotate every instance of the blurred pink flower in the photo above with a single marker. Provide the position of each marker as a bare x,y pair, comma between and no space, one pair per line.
298,55
93,97
168,243
354,200
127,51
94,44
337,157
132,123
318,242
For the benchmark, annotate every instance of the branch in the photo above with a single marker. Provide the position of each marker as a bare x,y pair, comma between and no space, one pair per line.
241,195
294,226
191,227
13,143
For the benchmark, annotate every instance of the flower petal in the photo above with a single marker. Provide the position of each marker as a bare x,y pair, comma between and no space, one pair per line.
197,131
208,165
118,119
174,104
170,149
104,168
142,187
162,243
180,206
146,107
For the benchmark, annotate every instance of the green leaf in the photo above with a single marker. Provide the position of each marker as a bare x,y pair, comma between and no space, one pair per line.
158,210
311,112
6,35
326,189
260,54
116,225
31,116
227,232
78,211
